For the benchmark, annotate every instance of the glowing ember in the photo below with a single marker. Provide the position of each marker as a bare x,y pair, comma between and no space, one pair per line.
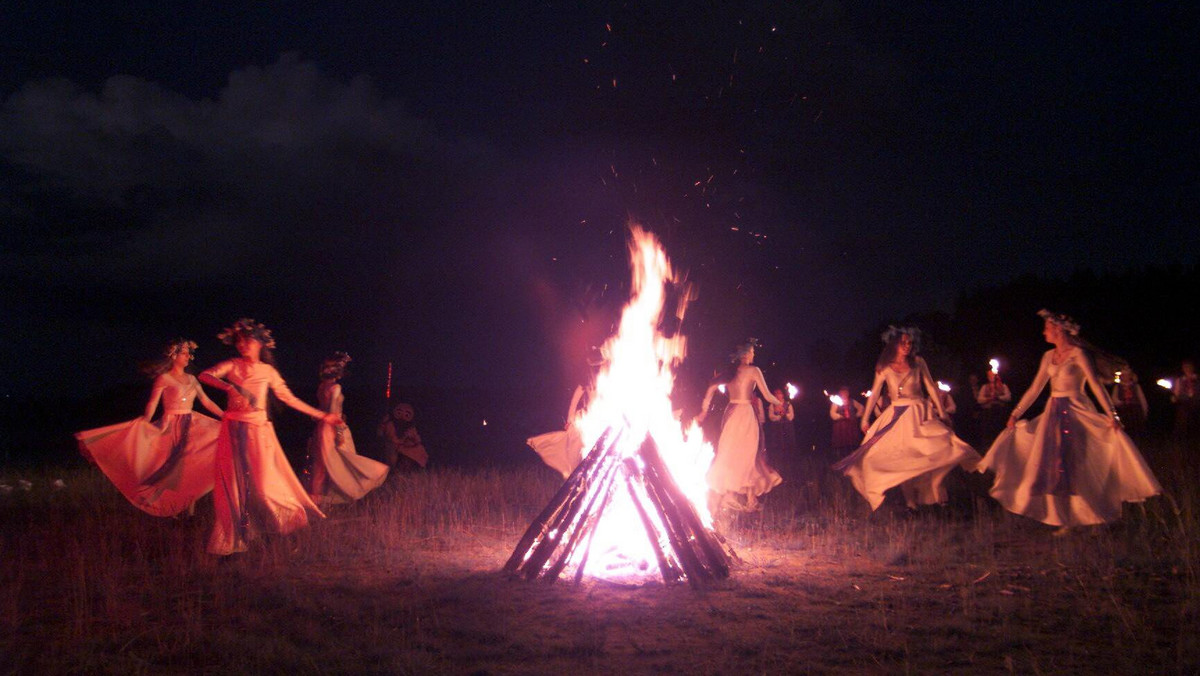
995,364
943,386
1164,383
792,391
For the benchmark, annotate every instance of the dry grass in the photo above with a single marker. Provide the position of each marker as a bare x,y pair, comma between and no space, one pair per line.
406,582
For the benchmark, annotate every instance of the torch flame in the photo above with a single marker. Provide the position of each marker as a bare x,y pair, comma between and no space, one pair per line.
792,391
837,400
943,386
995,364
1164,383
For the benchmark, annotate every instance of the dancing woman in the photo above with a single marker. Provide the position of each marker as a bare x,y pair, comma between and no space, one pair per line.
255,487
1069,466
739,474
562,450
906,446
161,468
339,473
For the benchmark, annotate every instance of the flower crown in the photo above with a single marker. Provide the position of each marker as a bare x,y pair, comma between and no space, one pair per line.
742,349
176,346
1064,322
249,328
335,365
894,333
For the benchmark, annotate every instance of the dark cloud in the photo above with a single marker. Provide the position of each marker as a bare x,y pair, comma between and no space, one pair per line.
121,183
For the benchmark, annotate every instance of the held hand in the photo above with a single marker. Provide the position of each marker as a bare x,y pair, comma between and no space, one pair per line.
1116,423
332,419
1012,421
864,426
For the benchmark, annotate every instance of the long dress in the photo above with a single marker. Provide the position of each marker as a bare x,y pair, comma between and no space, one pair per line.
1130,403
847,429
255,488
907,445
993,400
1067,466
162,468
339,473
781,423
739,473
562,449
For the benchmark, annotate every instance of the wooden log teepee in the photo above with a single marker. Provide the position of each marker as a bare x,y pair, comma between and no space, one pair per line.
562,533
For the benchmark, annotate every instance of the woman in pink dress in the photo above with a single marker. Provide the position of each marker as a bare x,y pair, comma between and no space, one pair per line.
163,467
255,488
739,474
908,445
1069,466
339,473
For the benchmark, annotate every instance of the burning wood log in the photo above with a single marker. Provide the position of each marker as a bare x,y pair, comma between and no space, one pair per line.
544,534
683,546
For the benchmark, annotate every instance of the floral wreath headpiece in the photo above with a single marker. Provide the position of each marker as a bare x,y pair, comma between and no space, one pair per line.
894,333
335,365
741,350
176,346
1060,320
249,328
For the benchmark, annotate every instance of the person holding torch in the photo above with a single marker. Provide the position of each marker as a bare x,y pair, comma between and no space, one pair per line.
994,399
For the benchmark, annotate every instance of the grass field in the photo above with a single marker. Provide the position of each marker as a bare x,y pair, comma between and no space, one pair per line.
407,581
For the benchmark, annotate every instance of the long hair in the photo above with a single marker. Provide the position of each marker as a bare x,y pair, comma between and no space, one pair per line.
891,345
1104,363
157,367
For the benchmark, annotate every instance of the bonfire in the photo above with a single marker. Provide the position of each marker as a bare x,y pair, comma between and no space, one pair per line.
635,506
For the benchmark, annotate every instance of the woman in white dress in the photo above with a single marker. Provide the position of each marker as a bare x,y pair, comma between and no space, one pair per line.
907,446
339,473
1069,466
161,468
254,486
739,474
562,449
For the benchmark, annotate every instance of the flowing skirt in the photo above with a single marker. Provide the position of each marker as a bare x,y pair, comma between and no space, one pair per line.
739,473
1068,466
255,488
163,468
339,473
910,448
562,449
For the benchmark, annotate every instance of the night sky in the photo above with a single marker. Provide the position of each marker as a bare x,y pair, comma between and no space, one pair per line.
447,186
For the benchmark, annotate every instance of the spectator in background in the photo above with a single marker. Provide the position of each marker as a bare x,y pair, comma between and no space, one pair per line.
846,416
994,400
1185,394
1130,402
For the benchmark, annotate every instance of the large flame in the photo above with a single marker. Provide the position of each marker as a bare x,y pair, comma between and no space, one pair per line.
633,391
